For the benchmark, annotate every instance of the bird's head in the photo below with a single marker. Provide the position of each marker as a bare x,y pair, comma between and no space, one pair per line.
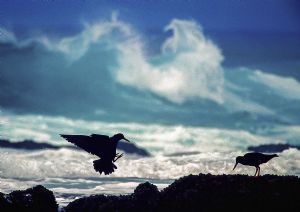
237,161
275,155
120,136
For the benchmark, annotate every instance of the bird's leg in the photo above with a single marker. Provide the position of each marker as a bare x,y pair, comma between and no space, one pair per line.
256,171
118,155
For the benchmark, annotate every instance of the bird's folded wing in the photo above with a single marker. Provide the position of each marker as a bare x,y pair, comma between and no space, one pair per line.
254,157
96,145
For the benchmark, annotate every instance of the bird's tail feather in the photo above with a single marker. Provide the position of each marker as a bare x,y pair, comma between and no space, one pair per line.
105,166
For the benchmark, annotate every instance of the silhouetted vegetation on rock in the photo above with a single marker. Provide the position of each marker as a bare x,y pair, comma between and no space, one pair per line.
231,193
191,193
37,199
203,193
144,198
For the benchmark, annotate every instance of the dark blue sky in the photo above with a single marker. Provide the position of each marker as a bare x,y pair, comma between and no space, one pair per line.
231,15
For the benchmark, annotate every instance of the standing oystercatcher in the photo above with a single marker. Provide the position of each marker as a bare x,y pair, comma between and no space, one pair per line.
254,159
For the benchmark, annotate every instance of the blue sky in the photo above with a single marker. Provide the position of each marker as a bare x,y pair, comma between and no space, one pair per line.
233,15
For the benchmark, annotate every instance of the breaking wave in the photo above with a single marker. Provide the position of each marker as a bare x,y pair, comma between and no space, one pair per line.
72,164
104,57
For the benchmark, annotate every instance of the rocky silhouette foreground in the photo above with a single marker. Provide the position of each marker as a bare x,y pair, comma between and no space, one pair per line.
37,199
191,193
204,193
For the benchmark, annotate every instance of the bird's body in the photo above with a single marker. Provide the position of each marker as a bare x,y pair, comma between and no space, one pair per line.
102,146
254,159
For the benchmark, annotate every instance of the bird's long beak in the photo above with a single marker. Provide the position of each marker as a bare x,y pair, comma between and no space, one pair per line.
127,140
234,166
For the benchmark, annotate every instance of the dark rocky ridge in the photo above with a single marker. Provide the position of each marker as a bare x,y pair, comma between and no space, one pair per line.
191,193
32,145
29,145
37,199
203,193
272,148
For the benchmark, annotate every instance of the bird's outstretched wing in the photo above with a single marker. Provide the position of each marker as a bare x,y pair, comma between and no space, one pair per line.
94,144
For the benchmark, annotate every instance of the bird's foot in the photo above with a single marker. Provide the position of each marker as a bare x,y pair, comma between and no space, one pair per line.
118,156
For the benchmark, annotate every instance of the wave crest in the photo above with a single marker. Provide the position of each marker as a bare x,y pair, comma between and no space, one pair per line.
189,66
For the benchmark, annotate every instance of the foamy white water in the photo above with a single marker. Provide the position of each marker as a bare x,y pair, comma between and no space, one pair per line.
69,173
155,138
176,151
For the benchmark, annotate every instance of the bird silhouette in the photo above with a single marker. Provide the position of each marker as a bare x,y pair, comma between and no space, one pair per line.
254,159
102,146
